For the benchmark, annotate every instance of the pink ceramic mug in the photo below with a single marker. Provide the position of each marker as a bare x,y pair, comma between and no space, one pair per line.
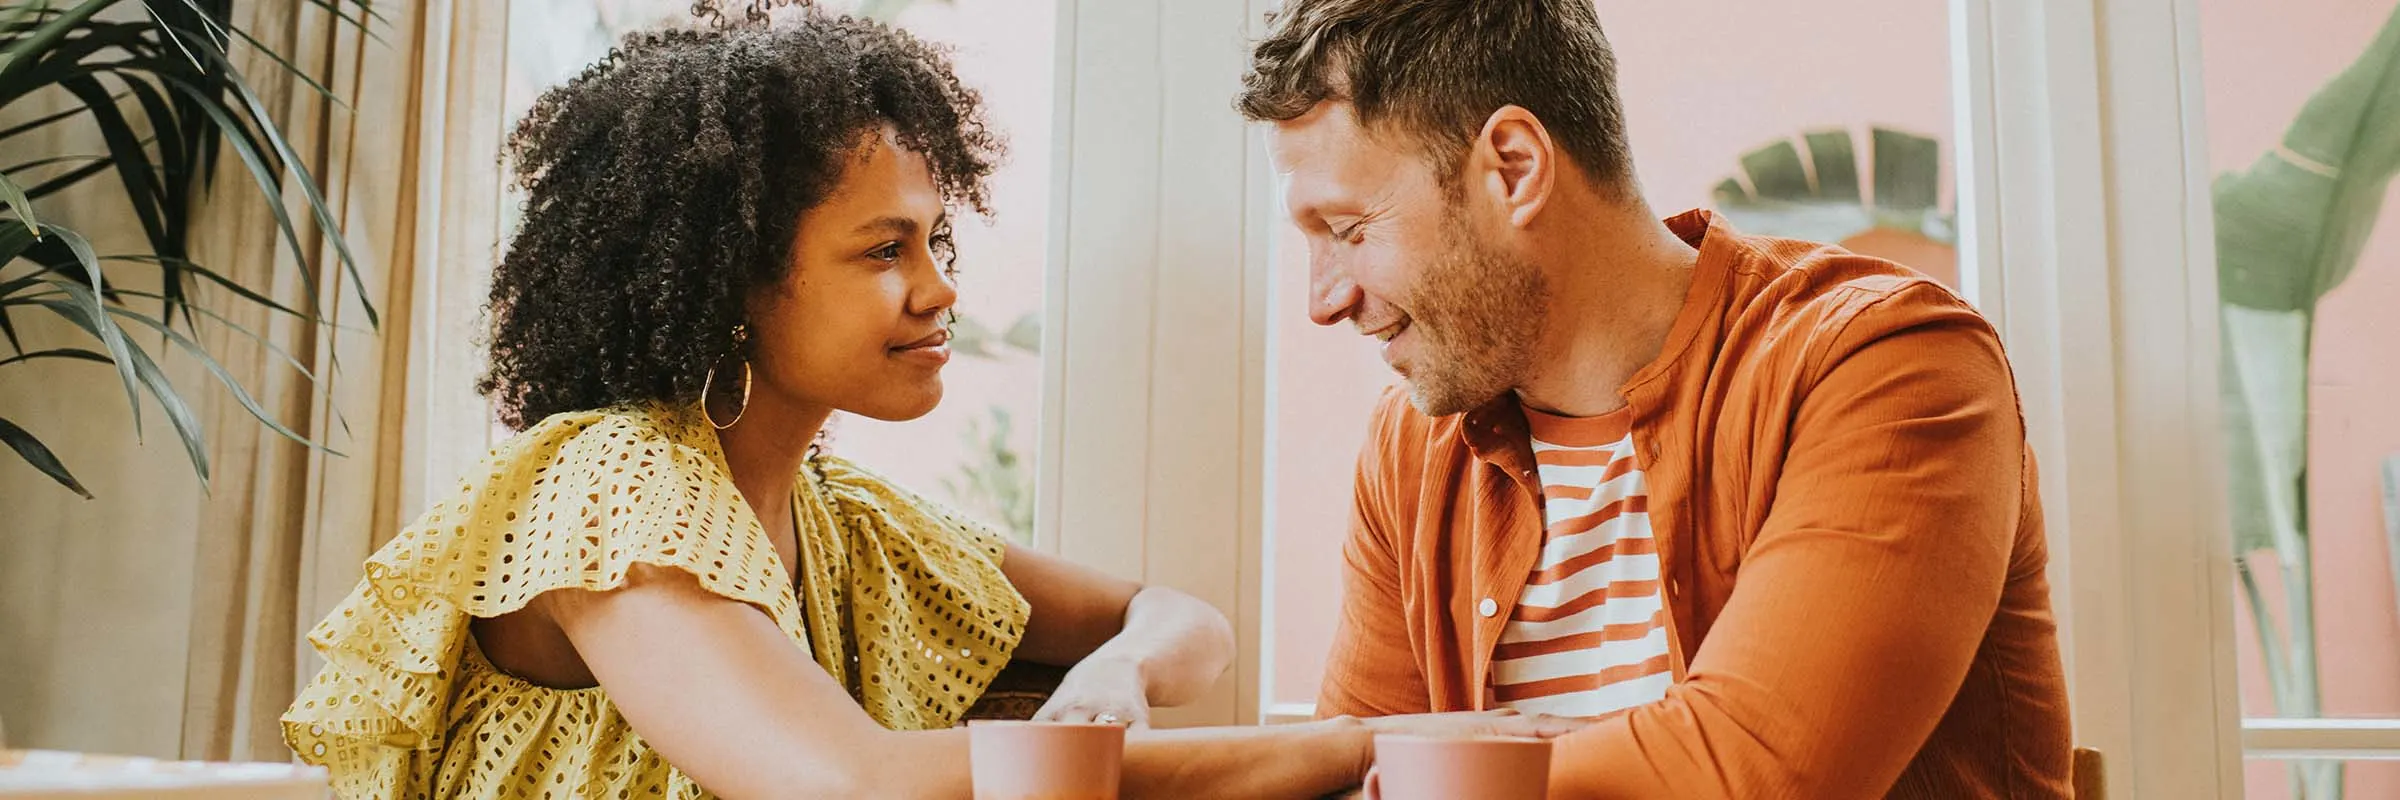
1485,768
1045,760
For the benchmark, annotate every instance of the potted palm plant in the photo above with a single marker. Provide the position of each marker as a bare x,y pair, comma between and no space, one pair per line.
160,83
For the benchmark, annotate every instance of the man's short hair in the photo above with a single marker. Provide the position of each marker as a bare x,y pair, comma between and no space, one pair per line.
1435,70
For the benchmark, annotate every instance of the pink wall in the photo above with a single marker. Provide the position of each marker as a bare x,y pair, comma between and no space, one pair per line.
2262,60
1703,81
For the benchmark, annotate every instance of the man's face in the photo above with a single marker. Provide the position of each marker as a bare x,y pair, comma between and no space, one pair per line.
1408,259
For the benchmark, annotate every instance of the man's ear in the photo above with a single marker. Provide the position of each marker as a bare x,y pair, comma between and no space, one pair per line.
1515,162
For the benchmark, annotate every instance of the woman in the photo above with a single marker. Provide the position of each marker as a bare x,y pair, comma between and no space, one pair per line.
660,586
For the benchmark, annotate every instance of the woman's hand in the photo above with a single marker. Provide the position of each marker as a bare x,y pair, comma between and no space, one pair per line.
1127,643
1101,689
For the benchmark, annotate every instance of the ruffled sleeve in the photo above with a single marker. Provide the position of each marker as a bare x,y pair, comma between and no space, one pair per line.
918,587
571,504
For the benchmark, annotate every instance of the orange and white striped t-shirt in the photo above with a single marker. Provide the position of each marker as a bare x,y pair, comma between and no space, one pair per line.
1589,634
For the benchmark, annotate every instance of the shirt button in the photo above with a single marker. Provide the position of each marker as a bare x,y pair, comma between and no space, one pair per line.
1488,607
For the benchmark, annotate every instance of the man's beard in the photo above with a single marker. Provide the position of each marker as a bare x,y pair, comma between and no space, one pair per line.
1479,311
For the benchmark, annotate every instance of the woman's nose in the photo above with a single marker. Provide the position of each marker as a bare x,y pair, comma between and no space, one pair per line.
937,293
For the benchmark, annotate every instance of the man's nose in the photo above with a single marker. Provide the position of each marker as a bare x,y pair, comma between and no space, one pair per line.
1332,297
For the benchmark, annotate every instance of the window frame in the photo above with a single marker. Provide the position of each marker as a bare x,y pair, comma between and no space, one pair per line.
1151,453
2089,172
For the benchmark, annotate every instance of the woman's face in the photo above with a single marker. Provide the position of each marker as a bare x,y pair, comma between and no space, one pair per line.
856,324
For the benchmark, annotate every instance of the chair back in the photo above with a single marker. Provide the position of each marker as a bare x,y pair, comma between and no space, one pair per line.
2091,775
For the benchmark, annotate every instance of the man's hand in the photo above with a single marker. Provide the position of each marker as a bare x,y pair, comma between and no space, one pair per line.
1457,725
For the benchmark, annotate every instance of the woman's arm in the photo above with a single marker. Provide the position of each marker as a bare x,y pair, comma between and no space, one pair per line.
726,697
1126,641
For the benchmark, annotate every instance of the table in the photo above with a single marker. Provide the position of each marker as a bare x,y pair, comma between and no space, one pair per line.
55,775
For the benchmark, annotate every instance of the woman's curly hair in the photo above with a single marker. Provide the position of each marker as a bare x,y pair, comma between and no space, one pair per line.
668,179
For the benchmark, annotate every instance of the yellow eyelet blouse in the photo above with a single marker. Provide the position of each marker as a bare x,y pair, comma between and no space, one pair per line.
899,600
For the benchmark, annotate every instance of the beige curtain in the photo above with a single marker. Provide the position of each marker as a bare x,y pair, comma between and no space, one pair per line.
411,171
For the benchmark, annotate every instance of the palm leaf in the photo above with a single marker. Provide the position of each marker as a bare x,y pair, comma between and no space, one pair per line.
40,457
236,327
249,151
2292,226
144,187
1817,195
2263,368
308,187
294,71
17,14
240,395
16,59
38,164
168,31
106,331
19,204
179,413
13,243
75,353
186,266
46,119
60,183
175,169
264,175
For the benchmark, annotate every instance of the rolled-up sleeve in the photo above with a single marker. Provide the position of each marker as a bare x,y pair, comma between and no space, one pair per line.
1863,597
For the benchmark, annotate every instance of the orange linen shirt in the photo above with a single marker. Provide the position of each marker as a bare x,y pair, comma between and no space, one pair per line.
1848,531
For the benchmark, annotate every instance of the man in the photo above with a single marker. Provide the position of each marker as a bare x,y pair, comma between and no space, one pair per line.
1762,508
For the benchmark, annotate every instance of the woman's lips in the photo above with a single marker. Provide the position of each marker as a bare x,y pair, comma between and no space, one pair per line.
933,349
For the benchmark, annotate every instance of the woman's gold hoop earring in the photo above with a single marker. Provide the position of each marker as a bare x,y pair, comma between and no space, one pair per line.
708,384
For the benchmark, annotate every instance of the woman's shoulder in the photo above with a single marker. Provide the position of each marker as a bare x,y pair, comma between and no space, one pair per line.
613,456
860,494
585,495
858,484
623,433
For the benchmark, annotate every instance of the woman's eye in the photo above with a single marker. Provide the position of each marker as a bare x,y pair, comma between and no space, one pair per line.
889,252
